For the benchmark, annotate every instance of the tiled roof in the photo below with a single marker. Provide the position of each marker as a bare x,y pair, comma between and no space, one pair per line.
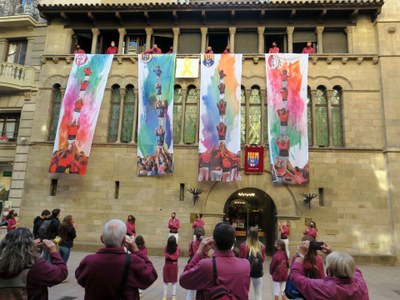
210,4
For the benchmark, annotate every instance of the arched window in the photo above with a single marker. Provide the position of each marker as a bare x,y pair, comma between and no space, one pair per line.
178,99
56,100
128,113
255,115
309,117
243,115
336,113
114,113
321,116
190,115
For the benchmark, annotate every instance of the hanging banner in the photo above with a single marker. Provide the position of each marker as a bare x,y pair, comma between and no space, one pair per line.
219,131
187,68
155,127
79,111
254,159
287,117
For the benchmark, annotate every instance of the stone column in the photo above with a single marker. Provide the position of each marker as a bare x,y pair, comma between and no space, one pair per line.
319,30
261,42
95,33
3,49
68,43
289,31
122,33
349,33
204,31
232,31
329,94
176,32
149,33
313,117
29,51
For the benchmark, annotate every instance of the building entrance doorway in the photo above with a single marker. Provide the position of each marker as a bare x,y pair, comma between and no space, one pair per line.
251,207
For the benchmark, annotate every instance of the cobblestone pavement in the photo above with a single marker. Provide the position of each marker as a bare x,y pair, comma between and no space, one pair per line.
383,282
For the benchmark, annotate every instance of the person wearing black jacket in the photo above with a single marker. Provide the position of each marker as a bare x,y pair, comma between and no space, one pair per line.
55,223
67,234
39,221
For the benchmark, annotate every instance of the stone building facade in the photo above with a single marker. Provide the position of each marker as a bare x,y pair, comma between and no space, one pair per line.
353,120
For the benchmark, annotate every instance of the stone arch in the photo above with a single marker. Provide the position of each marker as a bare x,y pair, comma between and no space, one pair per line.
54,79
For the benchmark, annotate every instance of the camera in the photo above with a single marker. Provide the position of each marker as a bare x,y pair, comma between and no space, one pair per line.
316,245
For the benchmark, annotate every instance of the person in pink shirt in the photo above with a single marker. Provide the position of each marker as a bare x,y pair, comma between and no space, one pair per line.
284,228
198,222
139,240
170,270
78,49
311,230
193,246
227,50
344,281
131,226
308,49
274,48
279,268
313,265
11,222
174,224
154,50
112,49
209,50
232,272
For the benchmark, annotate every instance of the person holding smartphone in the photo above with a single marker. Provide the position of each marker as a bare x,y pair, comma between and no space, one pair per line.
343,279
233,273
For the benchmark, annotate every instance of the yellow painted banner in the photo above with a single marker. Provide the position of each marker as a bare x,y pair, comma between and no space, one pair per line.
187,68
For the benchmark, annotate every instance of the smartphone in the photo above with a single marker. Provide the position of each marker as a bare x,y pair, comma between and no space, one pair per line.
316,245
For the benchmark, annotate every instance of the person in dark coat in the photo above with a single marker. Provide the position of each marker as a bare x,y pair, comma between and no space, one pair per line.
18,253
67,234
39,221
101,273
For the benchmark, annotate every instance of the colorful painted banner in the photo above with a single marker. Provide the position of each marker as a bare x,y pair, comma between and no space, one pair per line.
79,111
187,68
287,117
155,128
219,131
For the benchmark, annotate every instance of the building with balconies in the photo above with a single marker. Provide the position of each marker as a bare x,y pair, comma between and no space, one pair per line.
352,120
22,37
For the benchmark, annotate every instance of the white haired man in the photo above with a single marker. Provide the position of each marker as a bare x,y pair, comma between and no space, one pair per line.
101,274
344,281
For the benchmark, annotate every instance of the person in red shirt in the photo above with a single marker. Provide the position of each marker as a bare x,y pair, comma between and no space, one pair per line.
170,270
221,128
77,110
130,226
284,228
209,50
174,224
78,49
171,50
278,268
153,50
193,246
308,49
311,230
232,272
72,131
112,49
274,48
198,222
227,50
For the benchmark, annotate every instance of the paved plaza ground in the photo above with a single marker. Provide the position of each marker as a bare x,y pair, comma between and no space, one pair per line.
383,281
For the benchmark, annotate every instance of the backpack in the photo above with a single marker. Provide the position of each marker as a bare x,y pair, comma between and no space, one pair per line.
256,265
14,288
219,291
44,230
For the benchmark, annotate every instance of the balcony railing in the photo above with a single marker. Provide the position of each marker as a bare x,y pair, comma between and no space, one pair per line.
16,8
16,77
